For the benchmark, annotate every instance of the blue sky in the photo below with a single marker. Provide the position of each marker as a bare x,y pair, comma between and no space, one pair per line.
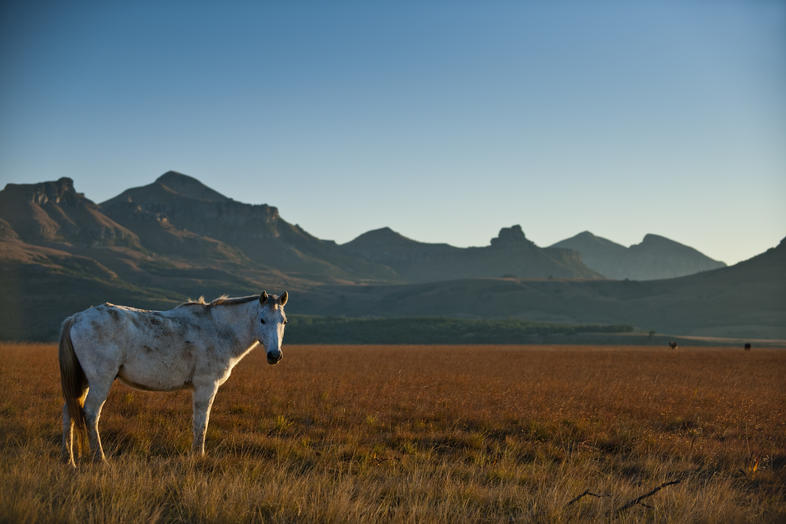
443,120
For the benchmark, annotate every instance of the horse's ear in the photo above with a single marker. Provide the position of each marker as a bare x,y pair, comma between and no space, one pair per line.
263,297
284,298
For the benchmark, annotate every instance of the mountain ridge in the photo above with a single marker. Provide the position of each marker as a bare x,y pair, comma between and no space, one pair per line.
254,233
510,253
655,257
155,245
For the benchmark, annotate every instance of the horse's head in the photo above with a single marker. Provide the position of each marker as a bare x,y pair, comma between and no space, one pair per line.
270,324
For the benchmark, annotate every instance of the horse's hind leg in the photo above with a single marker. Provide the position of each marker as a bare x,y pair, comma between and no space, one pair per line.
96,396
68,437
68,434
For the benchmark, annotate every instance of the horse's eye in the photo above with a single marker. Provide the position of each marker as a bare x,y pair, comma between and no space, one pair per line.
262,320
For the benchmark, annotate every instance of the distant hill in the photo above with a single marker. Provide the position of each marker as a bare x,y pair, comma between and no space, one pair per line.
509,254
656,257
744,300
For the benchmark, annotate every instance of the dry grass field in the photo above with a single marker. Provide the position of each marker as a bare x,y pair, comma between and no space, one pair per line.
418,434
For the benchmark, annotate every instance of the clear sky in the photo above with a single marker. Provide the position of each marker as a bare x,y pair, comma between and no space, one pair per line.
445,120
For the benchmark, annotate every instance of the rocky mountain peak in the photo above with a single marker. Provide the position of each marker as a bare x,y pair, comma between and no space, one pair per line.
382,237
383,233
57,191
511,236
189,187
653,239
585,234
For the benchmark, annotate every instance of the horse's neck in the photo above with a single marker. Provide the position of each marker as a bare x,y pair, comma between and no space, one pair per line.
238,320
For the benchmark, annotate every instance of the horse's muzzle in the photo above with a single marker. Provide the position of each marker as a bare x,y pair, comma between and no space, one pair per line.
273,357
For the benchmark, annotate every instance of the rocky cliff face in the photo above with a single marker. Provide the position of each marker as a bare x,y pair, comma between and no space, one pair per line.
187,204
54,212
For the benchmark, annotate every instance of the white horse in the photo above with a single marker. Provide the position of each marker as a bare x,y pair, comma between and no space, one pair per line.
194,345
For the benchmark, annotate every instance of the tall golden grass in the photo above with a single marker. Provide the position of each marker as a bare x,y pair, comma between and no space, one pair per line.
443,434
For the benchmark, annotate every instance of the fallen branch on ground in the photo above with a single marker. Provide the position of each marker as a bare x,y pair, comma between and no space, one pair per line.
587,492
638,500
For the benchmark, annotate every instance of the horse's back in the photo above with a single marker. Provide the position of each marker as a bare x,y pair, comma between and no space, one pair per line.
147,349
106,325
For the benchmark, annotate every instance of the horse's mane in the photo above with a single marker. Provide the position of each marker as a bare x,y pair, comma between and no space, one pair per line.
223,300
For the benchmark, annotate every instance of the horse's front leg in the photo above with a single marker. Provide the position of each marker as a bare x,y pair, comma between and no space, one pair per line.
204,393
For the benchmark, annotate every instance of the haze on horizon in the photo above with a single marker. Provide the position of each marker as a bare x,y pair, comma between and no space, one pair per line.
444,121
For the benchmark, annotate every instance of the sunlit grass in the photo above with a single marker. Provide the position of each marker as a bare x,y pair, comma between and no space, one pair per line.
417,434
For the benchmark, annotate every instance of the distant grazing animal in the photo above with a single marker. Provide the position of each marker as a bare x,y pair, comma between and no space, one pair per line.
194,346
747,346
673,345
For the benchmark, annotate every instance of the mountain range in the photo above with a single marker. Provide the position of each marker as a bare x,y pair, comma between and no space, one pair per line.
746,300
654,258
175,238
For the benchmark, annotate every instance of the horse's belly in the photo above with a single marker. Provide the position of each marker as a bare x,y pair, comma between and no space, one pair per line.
156,374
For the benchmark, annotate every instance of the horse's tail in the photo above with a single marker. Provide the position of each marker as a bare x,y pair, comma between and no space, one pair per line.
74,382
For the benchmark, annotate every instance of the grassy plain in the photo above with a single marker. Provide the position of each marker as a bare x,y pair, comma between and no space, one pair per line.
407,433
